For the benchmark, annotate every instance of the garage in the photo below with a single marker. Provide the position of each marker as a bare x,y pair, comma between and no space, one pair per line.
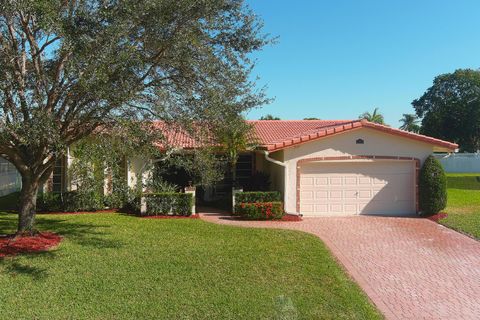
377,187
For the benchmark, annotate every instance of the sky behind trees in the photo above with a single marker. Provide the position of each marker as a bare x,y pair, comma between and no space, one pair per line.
338,59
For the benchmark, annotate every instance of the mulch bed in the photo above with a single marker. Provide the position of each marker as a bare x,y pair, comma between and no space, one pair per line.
439,216
291,217
193,216
11,246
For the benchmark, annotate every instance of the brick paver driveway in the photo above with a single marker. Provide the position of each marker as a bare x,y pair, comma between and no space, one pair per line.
411,268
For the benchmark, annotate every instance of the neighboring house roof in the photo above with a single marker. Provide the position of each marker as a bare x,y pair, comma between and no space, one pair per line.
274,135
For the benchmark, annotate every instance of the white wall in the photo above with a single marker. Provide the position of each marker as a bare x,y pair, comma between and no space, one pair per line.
136,169
344,144
10,180
460,162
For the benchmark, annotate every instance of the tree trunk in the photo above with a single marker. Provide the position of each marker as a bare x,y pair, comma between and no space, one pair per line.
28,206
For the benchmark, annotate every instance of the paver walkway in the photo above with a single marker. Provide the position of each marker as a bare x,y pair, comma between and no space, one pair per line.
411,268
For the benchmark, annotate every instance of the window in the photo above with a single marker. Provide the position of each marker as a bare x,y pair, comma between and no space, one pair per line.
58,177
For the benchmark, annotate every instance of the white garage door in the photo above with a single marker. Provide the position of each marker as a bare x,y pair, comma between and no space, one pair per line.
345,188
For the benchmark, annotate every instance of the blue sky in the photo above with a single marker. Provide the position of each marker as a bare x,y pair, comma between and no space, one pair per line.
336,59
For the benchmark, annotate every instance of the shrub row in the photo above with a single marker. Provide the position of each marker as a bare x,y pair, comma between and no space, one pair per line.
74,201
70,202
260,210
258,196
169,203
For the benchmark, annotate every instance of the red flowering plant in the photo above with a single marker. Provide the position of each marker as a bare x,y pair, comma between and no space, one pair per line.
260,210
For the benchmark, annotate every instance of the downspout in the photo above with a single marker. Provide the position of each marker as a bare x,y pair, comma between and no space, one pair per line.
282,164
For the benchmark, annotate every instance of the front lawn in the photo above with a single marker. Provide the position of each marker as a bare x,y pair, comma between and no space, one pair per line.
113,266
463,203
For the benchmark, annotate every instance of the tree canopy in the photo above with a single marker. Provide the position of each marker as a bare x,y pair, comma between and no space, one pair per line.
375,116
269,117
70,68
410,122
450,109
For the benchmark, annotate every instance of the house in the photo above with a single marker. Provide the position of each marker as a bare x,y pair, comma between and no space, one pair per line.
323,167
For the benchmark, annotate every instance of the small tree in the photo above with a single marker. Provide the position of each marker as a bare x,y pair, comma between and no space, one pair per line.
235,136
433,187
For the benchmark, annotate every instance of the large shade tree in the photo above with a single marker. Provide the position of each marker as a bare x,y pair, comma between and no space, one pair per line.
451,109
69,68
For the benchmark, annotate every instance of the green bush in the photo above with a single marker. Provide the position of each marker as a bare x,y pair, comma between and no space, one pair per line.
258,196
260,210
169,203
432,187
72,201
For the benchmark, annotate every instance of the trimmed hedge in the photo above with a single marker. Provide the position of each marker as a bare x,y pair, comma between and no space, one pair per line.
432,187
260,210
169,203
258,196
72,201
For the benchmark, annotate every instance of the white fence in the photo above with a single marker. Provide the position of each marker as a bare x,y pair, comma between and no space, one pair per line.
460,162
10,180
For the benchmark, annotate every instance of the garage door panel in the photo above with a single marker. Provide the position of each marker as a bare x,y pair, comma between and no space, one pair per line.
384,187
321,195
307,195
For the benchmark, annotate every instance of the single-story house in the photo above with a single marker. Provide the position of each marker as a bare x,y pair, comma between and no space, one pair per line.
323,167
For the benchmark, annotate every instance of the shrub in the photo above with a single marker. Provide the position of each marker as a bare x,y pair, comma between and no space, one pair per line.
260,210
432,187
72,201
166,203
258,196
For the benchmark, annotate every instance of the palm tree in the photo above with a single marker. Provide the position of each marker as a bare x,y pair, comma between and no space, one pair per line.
410,123
373,117
235,136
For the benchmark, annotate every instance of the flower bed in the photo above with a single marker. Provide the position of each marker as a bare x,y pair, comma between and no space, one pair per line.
10,246
437,217
260,210
291,217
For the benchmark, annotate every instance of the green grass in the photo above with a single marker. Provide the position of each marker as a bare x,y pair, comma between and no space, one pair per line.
113,266
463,203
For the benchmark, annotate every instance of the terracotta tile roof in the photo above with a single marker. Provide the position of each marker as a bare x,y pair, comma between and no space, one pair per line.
274,135
176,136
336,127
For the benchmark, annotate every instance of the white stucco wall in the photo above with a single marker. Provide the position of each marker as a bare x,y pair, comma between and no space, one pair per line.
136,169
344,144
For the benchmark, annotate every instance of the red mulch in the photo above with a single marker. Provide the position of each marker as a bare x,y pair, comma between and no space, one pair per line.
11,246
291,217
82,212
193,216
439,216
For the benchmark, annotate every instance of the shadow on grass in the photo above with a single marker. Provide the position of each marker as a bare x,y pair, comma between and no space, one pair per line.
464,182
86,234
14,268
